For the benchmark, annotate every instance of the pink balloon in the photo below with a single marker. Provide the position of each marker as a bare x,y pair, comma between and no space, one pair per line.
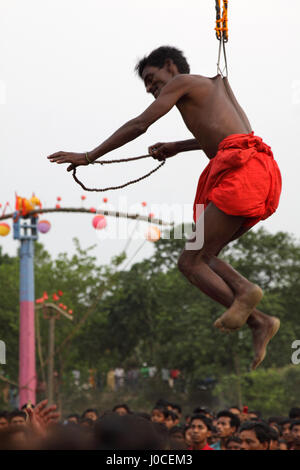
99,222
43,226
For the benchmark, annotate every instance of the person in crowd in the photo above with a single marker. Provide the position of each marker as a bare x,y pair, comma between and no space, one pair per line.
202,410
177,433
73,419
4,420
87,422
158,414
295,433
90,413
233,443
274,436
171,419
282,445
254,415
121,409
235,410
188,436
286,431
201,427
17,418
227,425
254,436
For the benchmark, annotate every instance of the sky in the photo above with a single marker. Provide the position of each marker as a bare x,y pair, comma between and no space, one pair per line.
67,82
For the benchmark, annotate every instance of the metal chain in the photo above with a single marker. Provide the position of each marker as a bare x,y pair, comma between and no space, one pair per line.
122,185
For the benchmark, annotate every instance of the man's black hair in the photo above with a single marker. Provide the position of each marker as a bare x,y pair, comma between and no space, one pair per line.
285,421
261,430
207,421
126,407
201,410
257,413
73,415
4,414
274,434
177,430
234,420
170,413
295,423
15,413
177,407
294,413
233,438
158,57
235,407
275,419
90,410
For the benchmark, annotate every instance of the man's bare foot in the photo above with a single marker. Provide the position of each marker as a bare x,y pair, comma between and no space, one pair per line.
261,335
237,314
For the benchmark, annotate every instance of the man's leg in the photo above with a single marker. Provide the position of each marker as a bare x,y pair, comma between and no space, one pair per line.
228,284
263,327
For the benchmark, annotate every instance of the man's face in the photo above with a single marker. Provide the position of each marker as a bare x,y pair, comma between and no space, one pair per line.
295,432
224,428
73,419
250,441
232,445
18,421
188,436
121,411
155,79
3,423
157,416
273,445
286,432
199,431
91,415
178,436
169,422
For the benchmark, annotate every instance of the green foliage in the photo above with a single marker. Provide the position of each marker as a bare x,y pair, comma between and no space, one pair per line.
272,391
152,314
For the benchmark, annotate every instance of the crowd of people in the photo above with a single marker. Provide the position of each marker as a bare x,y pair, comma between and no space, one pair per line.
165,428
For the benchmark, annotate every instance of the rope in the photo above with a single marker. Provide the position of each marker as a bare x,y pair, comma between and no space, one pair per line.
222,21
222,33
122,185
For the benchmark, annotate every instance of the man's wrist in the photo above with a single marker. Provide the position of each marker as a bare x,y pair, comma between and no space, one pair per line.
94,155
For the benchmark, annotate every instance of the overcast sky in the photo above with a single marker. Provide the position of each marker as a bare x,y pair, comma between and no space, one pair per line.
67,83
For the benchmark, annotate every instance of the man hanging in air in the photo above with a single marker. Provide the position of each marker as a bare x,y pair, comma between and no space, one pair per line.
240,186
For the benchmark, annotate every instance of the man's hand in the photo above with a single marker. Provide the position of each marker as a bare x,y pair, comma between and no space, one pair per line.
69,157
161,151
41,417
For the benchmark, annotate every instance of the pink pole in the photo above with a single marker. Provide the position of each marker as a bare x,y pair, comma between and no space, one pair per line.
27,371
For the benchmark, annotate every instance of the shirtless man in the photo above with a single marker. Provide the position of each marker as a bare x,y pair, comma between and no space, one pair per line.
222,131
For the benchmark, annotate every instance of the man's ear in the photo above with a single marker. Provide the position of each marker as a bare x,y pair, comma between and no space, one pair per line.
170,66
266,445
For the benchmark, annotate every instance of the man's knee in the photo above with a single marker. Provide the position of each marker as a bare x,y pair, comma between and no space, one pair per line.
187,262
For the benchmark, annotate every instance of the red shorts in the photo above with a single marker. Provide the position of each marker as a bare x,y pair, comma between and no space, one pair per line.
242,179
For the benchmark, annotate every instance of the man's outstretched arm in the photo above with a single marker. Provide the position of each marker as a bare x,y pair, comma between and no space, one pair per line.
168,97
